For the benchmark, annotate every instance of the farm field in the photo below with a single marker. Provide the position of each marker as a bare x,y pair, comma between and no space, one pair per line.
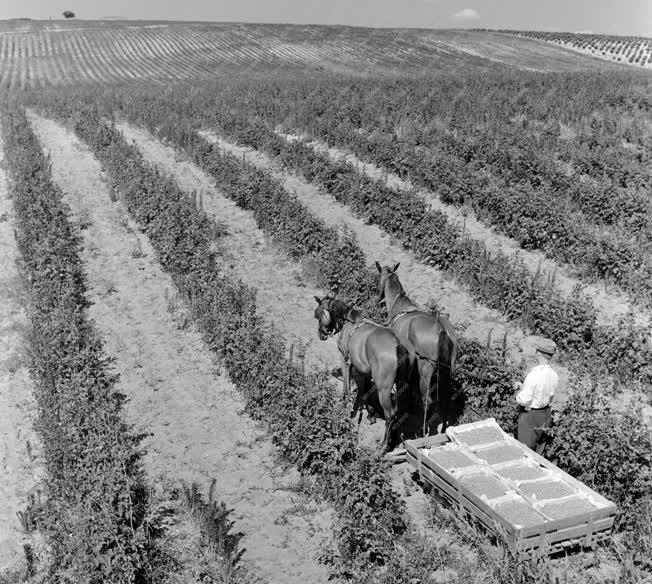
43,53
21,458
633,50
179,194
165,372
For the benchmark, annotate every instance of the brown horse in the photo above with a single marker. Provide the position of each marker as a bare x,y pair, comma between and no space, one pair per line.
433,338
373,356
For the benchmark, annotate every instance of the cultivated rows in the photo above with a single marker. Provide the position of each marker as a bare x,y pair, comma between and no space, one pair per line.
435,241
194,413
582,198
20,451
211,159
95,494
632,50
42,54
187,270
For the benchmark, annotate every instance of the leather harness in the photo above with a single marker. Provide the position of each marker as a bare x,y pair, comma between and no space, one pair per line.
398,315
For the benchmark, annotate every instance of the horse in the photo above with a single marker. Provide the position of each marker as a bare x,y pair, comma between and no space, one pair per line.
373,356
434,340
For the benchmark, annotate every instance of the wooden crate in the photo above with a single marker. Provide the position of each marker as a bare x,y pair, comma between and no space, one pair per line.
549,537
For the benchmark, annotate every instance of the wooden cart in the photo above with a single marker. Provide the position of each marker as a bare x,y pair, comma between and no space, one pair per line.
544,534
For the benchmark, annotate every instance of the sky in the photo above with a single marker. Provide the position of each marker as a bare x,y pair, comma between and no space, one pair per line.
624,17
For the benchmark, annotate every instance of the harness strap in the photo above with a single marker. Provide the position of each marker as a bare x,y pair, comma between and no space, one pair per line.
400,314
353,330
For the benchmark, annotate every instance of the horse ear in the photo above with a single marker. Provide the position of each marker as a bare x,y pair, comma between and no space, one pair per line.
378,267
396,267
318,299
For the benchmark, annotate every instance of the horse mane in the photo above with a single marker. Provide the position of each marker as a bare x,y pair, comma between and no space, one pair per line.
401,294
338,309
341,311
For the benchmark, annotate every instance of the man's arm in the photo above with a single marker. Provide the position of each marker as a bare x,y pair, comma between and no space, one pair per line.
524,396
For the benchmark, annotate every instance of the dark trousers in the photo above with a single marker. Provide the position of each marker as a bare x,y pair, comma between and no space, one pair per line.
532,426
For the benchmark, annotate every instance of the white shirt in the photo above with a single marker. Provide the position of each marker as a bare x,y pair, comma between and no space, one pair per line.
539,387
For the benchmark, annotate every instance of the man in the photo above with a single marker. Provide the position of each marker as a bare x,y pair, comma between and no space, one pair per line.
535,396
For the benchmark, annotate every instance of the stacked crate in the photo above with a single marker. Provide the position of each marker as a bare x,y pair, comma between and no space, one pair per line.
508,487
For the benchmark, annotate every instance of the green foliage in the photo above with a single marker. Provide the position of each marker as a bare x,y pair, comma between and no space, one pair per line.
607,449
485,381
217,529
366,489
94,516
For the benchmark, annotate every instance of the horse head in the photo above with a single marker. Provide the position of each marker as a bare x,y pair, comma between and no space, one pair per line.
325,321
385,274
331,315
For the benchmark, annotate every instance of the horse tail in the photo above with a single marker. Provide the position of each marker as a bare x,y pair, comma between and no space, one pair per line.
446,358
404,376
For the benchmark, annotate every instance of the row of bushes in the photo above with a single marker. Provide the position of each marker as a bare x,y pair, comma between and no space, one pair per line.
536,120
470,152
281,215
485,382
511,157
484,377
95,516
496,280
307,422
541,216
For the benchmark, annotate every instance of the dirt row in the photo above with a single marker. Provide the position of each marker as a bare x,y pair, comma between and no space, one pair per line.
20,453
609,303
176,392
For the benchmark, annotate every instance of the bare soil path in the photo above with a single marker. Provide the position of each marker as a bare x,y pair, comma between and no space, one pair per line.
20,460
249,253
609,304
175,392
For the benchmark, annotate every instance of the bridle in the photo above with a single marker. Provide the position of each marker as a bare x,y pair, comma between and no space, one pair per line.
337,328
339,325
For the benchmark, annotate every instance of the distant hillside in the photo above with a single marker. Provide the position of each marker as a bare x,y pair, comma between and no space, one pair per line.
630,50
43,53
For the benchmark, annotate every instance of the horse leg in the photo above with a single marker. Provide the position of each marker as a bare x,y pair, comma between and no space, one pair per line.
443,400
426,372
362,383
385,398
346,378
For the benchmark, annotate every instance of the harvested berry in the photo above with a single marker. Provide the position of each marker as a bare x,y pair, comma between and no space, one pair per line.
547,489
501,453
519,513
522,472
566,507
450,458
483,484
480,436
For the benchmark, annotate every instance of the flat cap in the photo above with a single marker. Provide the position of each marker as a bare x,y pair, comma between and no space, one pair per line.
544,345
